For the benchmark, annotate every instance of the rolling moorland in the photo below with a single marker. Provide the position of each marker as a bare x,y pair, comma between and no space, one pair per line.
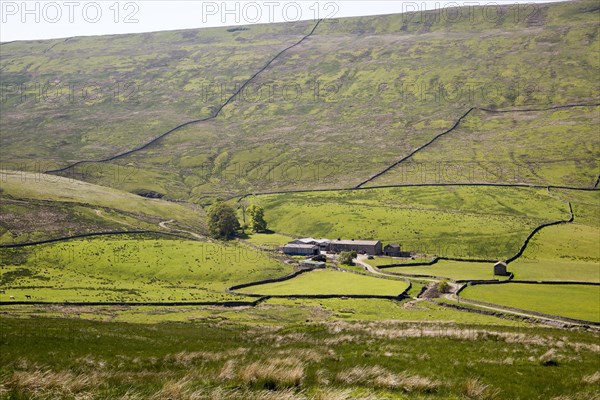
420,129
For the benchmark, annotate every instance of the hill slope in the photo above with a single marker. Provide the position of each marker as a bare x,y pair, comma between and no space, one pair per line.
351,99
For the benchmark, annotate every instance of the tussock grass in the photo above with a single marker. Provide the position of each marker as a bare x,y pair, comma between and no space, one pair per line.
381,378
477,390
47,383
273,375
592,379
549,358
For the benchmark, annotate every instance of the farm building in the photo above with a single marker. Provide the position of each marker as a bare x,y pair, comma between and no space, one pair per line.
310,264
500,269
322,243
372,247
392,250
300,249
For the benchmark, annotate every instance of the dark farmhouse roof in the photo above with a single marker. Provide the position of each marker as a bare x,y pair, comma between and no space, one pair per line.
393,246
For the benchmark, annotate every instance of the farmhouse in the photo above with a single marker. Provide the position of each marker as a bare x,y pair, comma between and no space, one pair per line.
372,247
300,249
500,269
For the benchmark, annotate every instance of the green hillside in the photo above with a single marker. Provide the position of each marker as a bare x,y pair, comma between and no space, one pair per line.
467,222
356,96
37,206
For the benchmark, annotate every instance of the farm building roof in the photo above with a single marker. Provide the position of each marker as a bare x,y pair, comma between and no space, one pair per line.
310,240
359,242
299,246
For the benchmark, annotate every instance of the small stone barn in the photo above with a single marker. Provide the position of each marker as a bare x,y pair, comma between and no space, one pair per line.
372,247
500,268
392,250
298,249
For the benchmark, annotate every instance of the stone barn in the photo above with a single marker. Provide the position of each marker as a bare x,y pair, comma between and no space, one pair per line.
371,247
299,249
500,269
392,250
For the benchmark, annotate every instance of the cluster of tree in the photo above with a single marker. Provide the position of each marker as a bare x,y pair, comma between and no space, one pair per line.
346,257
224,224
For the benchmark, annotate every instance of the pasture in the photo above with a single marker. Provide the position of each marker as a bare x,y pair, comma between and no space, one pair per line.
568,252
466,222
330,282
573,301
456,270
132,269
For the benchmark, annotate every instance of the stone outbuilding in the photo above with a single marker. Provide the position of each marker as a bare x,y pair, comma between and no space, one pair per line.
500,268
299,249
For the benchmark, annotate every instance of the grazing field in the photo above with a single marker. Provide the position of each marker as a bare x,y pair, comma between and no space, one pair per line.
38,206
573,301
132,269
331,282
569,252
468,222
452,269
528,147
68,358
379,261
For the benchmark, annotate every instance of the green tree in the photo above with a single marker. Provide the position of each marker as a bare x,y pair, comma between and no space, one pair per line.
346,257
222,221
257,218
443,287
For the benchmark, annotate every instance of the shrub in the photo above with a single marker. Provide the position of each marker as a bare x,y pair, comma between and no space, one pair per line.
443,287
346,257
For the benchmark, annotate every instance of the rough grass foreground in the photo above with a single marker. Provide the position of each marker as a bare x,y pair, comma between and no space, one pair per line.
47,358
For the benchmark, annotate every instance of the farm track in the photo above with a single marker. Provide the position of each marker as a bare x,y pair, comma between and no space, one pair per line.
178,127
87,235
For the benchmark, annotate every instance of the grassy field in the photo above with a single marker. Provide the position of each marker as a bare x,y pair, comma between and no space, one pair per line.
38,206
299,121
67,358
384,260
117,269
452,269
574,301
564,252
484,222
330,282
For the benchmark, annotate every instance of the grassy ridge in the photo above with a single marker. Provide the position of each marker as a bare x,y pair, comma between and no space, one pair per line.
38,206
